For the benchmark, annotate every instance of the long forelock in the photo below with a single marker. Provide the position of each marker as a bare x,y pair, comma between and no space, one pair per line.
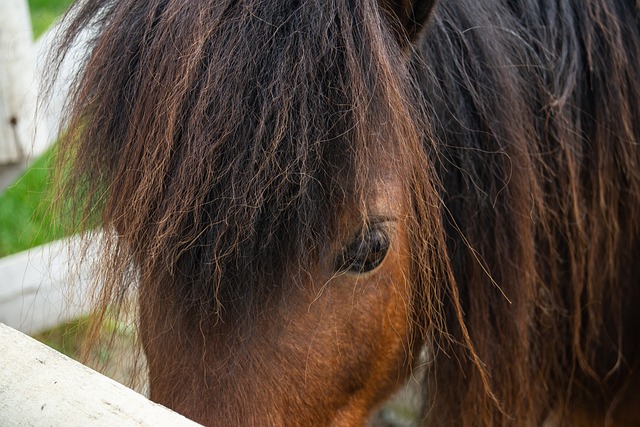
231,135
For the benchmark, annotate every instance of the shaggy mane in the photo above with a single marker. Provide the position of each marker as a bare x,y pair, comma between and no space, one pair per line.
219,142
535,110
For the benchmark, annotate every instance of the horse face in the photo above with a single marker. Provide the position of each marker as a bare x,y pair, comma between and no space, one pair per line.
327,352
224,123
333,344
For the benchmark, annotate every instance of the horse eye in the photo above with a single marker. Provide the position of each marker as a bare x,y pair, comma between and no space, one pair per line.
365,253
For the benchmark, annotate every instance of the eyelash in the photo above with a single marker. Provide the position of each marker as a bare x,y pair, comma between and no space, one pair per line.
365,253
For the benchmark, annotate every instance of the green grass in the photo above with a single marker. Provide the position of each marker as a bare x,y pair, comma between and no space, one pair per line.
26,216
44,12
66,338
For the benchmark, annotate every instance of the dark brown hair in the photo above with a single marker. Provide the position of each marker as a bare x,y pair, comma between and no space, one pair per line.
535,109
218,141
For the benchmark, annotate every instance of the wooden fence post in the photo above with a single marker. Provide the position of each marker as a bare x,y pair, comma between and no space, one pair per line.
18,86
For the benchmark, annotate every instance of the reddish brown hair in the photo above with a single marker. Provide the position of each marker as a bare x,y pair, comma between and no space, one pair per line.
218,141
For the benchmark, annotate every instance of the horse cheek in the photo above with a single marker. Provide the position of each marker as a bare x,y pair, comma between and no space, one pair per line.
362,335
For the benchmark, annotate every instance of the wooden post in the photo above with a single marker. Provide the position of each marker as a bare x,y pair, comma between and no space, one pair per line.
41,387
18,86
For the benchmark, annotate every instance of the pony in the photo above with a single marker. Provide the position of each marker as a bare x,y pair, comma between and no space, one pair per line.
316,199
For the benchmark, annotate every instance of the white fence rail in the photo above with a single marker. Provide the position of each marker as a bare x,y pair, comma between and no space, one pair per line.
40,289
41,387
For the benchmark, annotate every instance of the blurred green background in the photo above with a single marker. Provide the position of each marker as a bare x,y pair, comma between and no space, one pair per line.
44,12
26,217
